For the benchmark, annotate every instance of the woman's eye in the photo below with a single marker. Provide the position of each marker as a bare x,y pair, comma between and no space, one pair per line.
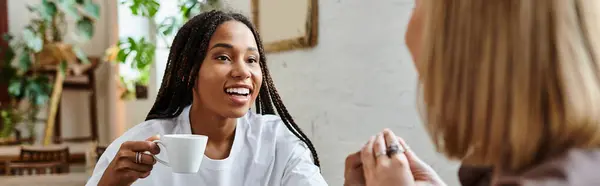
252,60
223,58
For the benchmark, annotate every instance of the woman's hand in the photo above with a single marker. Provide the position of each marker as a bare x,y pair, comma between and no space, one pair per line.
421,171
384,162
353,172
401,168
124,170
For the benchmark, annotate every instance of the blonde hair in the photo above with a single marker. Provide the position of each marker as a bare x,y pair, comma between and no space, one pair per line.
510,83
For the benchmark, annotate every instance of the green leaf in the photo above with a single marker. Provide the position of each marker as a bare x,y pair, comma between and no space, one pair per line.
68,6
146,54
25,61
32,9
63,67
33,41
122,56
93,9
36,90
132,43
85,27
48,10
7,37
7,72
14,87
44,82
40,99
146,8
134,10
167,26
34,87
144,78
80,2
9,54
152,8
187,8
81,55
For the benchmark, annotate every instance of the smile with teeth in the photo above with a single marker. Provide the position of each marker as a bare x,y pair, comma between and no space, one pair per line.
238,91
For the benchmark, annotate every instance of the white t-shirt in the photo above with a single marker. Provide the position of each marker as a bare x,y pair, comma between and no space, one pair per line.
264,152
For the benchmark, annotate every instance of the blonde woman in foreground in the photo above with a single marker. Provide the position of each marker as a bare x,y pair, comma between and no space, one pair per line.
509,87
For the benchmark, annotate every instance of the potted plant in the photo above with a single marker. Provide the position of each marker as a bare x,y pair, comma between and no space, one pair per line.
41,53
9,117
27,92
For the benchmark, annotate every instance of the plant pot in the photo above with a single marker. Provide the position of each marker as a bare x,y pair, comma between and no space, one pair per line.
141,91
53,53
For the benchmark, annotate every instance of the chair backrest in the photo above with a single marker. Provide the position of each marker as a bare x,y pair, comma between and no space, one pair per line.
42,154
52,159
31,168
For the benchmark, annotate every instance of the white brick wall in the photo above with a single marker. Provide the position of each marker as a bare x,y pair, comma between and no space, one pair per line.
357,81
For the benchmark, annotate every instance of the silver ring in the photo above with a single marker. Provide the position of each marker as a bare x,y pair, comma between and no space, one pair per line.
380,153
138,157
394,149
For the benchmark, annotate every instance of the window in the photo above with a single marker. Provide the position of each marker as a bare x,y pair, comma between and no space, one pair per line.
167,8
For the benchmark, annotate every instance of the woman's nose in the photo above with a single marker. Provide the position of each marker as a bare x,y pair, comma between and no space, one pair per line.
240,70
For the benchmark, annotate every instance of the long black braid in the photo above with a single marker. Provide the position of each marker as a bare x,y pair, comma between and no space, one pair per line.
188,49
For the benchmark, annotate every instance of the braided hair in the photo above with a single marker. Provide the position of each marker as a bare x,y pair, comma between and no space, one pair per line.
185,57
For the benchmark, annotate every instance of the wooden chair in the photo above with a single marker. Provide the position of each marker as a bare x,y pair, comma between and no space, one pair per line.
83,82
42,154
56,160
30,168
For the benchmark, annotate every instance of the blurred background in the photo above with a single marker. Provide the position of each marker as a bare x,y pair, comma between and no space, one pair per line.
76,74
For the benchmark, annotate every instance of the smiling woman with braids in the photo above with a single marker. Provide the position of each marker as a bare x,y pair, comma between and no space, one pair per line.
216,70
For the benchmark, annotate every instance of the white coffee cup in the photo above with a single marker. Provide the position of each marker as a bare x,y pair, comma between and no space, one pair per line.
184,151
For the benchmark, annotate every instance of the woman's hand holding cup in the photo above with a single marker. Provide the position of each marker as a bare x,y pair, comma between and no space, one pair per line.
131,163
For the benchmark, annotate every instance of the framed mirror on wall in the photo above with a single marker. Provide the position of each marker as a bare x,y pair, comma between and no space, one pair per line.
286,24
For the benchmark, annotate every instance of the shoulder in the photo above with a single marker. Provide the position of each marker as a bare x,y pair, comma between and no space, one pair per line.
575,167
474,175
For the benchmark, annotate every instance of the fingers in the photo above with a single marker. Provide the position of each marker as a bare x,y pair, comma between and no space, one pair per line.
391,141
152,138
141,146
379,148
353,160
353,164
157,149
366,154
131,156
132,174
409,153
138,167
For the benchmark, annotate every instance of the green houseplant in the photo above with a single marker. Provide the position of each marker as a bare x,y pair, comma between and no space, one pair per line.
41,51
139,53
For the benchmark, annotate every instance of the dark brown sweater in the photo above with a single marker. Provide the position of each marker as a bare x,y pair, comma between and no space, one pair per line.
575,168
